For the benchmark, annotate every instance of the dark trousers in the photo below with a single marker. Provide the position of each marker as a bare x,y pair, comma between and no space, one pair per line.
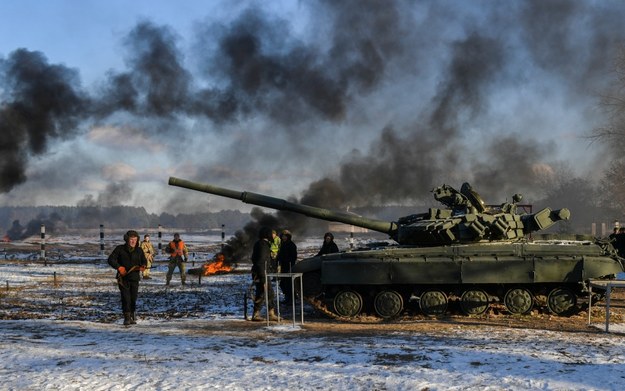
176,262
259,298
129,292
285,285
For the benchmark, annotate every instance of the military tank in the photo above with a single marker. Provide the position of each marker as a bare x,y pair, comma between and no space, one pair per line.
467,253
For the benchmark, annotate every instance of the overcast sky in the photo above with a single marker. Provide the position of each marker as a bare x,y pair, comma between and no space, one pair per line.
102,101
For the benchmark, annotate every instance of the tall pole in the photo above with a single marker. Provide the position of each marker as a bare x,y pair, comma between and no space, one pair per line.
351,239
160,238
43,244
102,240
223,237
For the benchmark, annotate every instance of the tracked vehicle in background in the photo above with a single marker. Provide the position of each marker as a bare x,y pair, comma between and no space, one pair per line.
466,252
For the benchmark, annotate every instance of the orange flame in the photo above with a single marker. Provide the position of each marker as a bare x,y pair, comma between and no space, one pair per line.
219,266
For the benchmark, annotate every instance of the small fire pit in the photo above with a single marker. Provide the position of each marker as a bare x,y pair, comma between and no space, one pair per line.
217,265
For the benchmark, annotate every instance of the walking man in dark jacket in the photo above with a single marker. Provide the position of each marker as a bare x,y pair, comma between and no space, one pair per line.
129,261
261,265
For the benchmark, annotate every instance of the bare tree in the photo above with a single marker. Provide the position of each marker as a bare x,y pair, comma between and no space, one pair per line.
612,135
614,104
612,185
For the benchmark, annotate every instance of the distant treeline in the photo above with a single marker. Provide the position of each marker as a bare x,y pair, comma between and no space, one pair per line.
69,217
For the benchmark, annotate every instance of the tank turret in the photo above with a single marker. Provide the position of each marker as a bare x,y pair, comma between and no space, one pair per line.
465,219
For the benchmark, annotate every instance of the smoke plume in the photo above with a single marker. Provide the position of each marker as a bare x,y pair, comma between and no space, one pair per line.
362,102
40,103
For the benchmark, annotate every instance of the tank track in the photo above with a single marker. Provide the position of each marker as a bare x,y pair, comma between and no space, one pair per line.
321,307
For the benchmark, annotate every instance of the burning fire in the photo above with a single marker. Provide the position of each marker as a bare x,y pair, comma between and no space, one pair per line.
215,267
219,265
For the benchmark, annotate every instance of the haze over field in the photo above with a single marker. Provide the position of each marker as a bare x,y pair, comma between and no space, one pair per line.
352,103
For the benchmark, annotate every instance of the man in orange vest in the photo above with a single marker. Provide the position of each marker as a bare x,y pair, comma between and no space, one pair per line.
178,255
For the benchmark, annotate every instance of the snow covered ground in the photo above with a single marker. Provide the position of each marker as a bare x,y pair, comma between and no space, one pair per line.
61,330
200,354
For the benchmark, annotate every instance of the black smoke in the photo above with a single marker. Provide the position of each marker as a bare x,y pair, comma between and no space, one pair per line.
156,84
404,164
52,223
41,103
239,246
404,167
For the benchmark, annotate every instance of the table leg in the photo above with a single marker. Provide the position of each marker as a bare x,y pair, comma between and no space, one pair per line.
607,307
589,302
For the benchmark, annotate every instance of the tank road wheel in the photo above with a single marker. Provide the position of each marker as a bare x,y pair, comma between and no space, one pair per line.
474,302
347,303
518,301
388,304
433,302
561,301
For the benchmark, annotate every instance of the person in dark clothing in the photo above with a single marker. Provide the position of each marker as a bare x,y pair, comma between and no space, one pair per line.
261,265
287,256
329,246
129,261
619,242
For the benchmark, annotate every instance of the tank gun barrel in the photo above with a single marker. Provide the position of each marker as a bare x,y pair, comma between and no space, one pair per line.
280,204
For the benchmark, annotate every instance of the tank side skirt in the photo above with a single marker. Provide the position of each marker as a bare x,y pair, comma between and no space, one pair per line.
454,270
452,276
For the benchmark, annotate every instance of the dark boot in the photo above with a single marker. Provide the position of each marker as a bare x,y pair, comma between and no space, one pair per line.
256,316
133,318
272,315
126,318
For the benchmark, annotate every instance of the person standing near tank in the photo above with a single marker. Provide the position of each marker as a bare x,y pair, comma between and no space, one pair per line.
178,255
619,242
129,261
328,246
287,256
275,247
148,250
261,265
